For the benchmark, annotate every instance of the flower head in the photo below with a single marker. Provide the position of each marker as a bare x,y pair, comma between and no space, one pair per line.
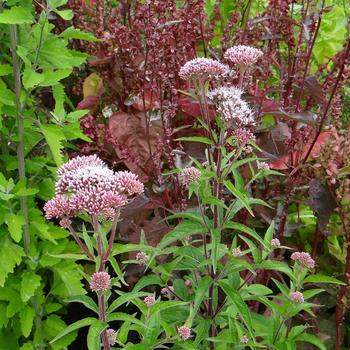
303,259
243,55
236,252
142,258
57,207
149,301
243,136
67,170
229,104
86,184
263,166
65,222
275,243
202,68
128,183
111,336
184,332
244,339
100,281
189,175
297,297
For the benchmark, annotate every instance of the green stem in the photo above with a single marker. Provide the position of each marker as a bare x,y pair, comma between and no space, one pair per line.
20,146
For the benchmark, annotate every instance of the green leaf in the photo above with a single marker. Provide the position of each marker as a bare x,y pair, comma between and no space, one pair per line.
239,195
163,305
195,139
65,14
73,327
239,304
120,316
14,224
74,33
94,335
322,279
16,15
26,318
52,77
125,298
31,78
278,266
5,69
85,300
201,291
58,94
312,339
54,137
29,284
10,255
181,231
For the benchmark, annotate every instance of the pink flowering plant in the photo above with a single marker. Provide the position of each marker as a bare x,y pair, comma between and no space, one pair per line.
211,282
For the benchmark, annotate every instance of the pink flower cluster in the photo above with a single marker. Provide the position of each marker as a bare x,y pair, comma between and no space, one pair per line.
243,136
263,166
229,104
297,297
243,55
189,175
303,259
142,258
111,336
149,301
244,339
100,281
202,69
184,332
86,184
275,243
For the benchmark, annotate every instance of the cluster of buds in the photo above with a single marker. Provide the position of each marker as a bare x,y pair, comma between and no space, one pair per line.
100,282
142,258
275,243
234,111
149,301
296,297
243,55
86,184
184,332
304,259
202,69
189,175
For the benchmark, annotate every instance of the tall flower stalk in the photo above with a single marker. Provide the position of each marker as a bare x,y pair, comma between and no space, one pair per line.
86,186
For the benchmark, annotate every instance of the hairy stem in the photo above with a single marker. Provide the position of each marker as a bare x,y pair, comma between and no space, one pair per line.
102,317
20,146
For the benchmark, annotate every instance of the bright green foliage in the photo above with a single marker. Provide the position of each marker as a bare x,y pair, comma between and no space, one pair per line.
30,302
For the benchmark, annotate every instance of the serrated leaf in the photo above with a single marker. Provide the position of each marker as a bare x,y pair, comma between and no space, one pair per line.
5,69
58,94
10,255
16,15
14,224
29,284
74,33
31,78
65,14
54,137
26,318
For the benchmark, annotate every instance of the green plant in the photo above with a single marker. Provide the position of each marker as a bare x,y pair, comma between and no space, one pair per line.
39,269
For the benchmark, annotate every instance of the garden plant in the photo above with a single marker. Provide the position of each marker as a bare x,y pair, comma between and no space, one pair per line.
174,174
